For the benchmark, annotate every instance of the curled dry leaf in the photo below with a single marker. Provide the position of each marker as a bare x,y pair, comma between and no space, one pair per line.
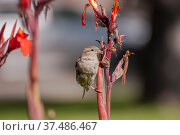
113,49
126,63
103,45
128,53
118,38
100,23
104,63
119,71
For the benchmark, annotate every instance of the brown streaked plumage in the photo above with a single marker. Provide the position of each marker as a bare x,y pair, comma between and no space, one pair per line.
87,67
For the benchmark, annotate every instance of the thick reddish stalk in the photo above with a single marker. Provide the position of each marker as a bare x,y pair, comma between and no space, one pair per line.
35,106
109,84
101,106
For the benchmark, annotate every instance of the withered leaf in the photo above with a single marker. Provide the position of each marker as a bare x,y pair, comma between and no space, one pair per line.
105,63
118,72
126,63
101,43
113,49
100,23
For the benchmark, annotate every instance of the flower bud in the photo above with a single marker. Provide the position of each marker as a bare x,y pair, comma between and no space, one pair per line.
25,3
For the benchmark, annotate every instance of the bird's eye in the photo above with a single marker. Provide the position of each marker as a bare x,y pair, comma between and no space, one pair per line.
92,49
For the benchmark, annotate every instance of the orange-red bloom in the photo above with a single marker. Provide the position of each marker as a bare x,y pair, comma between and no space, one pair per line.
115,10
25,44
25,3
84,14
19,41
93,3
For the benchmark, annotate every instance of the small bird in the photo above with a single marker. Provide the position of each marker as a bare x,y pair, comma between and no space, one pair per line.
87,67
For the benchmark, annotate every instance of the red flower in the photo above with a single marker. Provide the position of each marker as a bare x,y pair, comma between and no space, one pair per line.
25,3
2,40
93,4
84,14
19,41
25,44
100,17
114,11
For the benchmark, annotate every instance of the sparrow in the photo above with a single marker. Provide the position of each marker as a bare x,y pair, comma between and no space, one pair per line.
87,67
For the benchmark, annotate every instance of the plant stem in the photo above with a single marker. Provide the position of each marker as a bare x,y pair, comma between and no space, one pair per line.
35,106
109,84
101,106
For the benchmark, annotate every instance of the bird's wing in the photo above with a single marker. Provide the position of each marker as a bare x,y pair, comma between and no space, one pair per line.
77,69
77,62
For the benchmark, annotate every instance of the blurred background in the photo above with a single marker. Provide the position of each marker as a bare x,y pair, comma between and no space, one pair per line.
152,90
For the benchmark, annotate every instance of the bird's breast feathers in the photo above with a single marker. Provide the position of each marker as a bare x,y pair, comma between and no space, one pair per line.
89,65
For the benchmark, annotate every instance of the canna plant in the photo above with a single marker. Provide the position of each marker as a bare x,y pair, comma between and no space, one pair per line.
20,40
29,11
113,37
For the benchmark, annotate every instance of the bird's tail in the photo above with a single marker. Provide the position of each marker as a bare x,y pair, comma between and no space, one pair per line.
84,91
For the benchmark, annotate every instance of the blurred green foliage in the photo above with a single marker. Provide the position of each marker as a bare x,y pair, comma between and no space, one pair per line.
85,110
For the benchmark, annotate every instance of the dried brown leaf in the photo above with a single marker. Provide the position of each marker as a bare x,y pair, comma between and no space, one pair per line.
105,63
126,63
101,43
113,49
118,72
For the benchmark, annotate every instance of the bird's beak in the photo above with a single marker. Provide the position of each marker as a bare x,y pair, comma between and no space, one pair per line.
98,52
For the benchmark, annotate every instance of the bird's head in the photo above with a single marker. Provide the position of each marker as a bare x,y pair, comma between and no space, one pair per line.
91,51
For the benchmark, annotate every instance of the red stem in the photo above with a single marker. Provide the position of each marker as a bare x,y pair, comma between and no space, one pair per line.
101,106
35,106
109,84
33,64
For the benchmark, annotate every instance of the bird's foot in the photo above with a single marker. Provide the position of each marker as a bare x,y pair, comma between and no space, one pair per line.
96,89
